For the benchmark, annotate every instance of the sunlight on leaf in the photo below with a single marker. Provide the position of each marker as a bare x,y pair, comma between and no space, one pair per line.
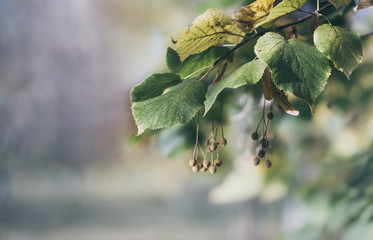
283,8
260,13
342,46
212,28
250,17
363,4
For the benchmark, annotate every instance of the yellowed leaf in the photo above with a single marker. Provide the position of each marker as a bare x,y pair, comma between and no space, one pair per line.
250,17
211,28
339,3
260,13
270,91
363,4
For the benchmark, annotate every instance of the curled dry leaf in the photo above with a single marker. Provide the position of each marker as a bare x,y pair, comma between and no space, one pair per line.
339,3
262,13
270,92
250,17
363,4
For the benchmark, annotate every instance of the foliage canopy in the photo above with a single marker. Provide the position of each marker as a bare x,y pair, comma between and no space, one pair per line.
296,66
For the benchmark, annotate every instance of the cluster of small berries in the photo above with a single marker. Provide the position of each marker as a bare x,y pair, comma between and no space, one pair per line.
203,165
263,142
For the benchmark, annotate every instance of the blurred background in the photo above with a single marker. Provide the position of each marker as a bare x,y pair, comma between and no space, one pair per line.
70,167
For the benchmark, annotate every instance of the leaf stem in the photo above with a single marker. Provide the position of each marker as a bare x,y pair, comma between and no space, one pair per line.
299,20
304,11
238,35
327,19
201,69
318,5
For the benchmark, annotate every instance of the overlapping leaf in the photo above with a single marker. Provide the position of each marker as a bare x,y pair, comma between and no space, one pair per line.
178,105
363,4
260,13
212,28
342,46
296,66
153,86
252,16
339,3
283,8
250,73
194,62
270,91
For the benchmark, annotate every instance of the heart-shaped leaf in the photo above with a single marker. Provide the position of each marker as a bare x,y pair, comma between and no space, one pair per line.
296,66
342,46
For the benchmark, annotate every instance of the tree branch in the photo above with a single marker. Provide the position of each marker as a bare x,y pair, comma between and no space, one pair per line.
299,20
366,35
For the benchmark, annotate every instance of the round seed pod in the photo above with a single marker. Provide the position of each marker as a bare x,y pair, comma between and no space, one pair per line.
264,143
212,169
254,136
192,162
261,153
195,168
270,115
203,169
256,161
223,141
218,162
206,163
213,146
268,163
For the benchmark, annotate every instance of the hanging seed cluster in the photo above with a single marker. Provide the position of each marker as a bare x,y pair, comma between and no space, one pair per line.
212,144
207,163
210,159
204,164
263,141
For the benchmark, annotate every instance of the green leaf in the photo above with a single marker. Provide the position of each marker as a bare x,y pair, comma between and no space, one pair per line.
339,3
250,73
194,62
342,46
153,86
281,9
178,105
296,66
212,28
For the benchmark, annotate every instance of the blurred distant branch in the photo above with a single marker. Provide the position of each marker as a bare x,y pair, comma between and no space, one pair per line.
366,35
